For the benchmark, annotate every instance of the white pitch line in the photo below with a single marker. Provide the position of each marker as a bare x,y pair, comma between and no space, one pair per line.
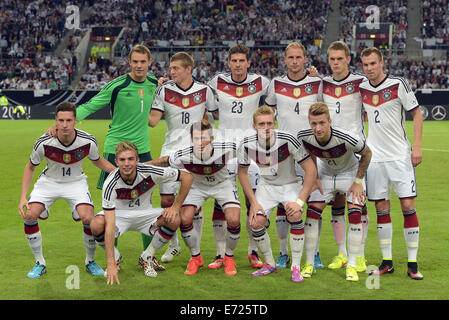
438,150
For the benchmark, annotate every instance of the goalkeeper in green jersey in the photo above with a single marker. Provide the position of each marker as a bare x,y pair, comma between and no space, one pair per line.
130,97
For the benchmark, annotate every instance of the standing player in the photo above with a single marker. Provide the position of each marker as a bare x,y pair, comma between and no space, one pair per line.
341,94
291,95
130,97
239,93
339,171
63,178
385,99
275,153
183,101
207,161
127,206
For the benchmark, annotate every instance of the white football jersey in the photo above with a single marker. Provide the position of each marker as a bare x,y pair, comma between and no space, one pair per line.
237,102
119,195
277,163
206,172
293,100
181,108
344,102
385,105
338,154
65,162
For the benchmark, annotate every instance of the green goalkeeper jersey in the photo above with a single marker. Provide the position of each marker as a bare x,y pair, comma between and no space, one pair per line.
130,104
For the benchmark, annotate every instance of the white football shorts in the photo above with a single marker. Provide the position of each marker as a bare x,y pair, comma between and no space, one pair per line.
339,183
135,220
381,176
269,196
225,193
47,191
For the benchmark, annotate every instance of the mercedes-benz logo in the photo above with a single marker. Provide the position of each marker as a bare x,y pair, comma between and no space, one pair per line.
438,112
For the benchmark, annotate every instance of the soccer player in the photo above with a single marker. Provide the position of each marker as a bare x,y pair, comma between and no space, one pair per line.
183,101
385,99
129,97
342,96
275,153
127,206
291,95
207,161
339,171
63,178
239,93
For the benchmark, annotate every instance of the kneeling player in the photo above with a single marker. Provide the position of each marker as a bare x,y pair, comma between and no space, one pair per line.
275,152
339,172
127,206
207,161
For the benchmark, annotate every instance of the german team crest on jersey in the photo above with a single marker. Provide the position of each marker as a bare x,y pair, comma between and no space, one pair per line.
349,88
239,91
144,187
141,93
297,92
79,155
375,99
252,88
198,98
337,91
185,101
66,157
386,95
309,89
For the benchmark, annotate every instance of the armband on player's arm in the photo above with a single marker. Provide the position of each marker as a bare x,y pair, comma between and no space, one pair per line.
300,203
358,181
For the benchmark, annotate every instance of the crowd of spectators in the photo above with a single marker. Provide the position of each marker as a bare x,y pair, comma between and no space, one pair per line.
395,12
30,31
435,20
29,34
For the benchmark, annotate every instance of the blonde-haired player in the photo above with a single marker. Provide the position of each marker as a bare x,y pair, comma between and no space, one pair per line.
127,207
339,171
291,96
275,153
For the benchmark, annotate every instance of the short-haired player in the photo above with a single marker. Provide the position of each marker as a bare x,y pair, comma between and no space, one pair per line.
63,178
385,99
127,207
275,153
339,171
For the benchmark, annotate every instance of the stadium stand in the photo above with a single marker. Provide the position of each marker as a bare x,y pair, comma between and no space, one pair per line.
29,59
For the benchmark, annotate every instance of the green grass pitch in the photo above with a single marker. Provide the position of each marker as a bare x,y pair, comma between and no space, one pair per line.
64,250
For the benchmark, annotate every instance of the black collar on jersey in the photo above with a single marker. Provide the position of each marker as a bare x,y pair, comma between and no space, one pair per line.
191,85
375,86
327,142
129,75
246,77
344,78
201,156
68,145
271,144
129,184
305,75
